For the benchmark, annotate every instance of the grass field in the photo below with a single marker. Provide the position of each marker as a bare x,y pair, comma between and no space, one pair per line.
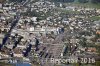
5,64
89,4
95,18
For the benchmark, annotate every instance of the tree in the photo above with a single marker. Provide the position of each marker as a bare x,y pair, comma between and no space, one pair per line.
63,0
83,1
83,42
95,1
16,0
97,36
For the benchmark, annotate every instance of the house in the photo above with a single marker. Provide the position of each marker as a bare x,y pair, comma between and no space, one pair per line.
31,29
98,11
34,19
74,41
98,32
91,49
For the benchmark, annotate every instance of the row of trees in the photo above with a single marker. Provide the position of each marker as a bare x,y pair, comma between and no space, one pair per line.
95,1
16,0
63,0
92,1
21,0
81,1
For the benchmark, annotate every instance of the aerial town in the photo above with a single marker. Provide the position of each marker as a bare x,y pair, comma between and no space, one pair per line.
49,33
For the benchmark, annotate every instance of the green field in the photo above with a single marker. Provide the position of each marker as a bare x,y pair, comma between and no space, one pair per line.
95,18
89,4
5,64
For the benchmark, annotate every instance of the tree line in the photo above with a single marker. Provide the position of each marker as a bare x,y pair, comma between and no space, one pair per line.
81,1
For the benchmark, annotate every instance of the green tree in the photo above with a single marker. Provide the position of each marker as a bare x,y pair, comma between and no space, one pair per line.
83,42
95,1
97,36
63,0
83,1
16,0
